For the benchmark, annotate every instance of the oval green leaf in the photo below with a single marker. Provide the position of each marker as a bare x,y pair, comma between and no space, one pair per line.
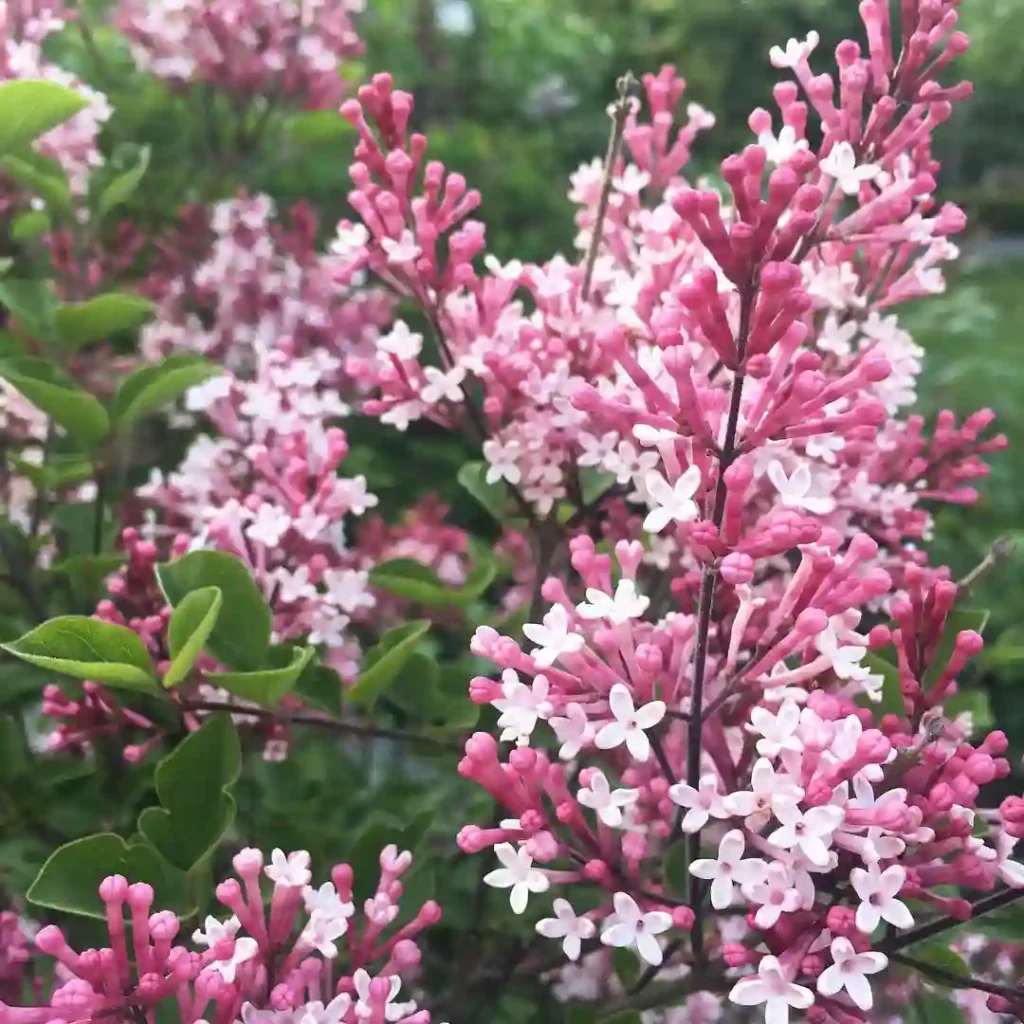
149,389
80,414
30,108
190,627
86,648
265,686
84,323
385,661
240,638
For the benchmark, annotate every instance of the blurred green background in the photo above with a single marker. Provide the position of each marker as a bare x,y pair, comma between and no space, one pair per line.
512,94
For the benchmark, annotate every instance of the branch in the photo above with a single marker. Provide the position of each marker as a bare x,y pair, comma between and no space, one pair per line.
707,595
943,924
624,88
668,993
1001,550
945,977
323,722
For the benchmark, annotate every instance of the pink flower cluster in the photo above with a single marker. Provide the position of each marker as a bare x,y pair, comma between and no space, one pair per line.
733,364
262,283
824,823
24,24
614,378
308,957
276,50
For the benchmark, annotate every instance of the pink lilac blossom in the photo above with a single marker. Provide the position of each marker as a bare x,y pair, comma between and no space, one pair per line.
16,954
276,49
259,284
310,955
735,366
635,381
266,488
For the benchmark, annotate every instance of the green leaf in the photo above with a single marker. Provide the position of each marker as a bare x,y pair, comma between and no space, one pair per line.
86,648
594,483
676,869
190,627
267,685
31,301
414,689
1007,651
959,620
10,345
934,1008
320,687
84,323
241,637
937,955
30,224
1005,924
30,108
627,966
58,396
581,1015
13,752
87,574
123,187
69,881
192,782
405,577
149,389
623,1017
317,127
975,702
380,830
51,187
494,497
892,697
385,661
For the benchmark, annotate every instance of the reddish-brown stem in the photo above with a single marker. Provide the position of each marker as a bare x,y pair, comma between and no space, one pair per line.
705,604
322,721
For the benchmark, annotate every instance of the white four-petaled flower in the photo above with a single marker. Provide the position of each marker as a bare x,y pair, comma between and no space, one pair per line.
608,803
629,927
214,931
808,831
794,52
441,384
877,891
290,870
554,637
675,502
771,987
629,723
729,869
848,971
392,1011
777,895
565,925
572,729
796,489
517,874
701,803
626,604
841,164
777,731
401,342
521,705
767,787
245,949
